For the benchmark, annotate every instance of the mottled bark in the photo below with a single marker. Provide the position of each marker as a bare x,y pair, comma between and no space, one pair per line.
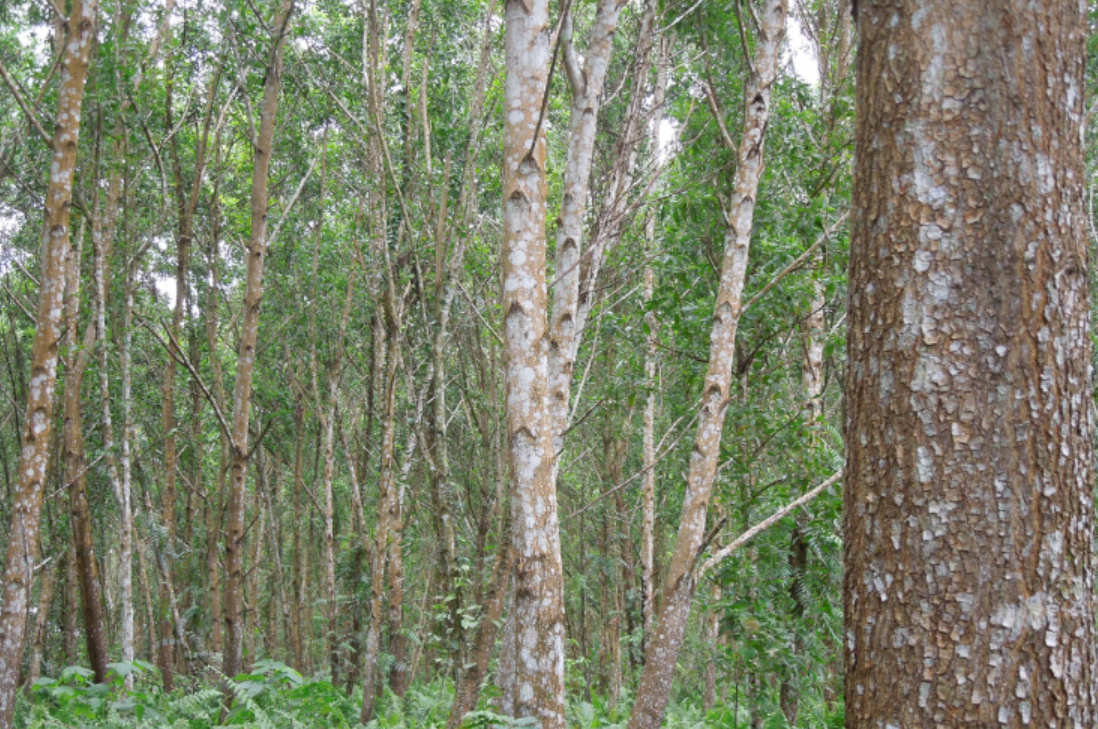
26,510
569,313
103,228
249,329
538,607
648,436
663,650
969,550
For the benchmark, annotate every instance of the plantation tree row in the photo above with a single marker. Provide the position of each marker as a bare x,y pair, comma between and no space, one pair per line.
503,349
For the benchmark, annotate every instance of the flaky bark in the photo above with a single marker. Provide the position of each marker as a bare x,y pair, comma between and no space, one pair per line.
249,330
663,650
969,549
538,603
38,425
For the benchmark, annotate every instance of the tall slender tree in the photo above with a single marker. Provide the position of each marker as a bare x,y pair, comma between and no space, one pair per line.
662,650
23,537
249,334
538,604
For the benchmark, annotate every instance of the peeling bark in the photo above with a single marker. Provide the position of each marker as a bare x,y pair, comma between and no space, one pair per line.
38,424
969,534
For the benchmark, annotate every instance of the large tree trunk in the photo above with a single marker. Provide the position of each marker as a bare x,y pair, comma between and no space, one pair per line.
663,648
249,330
38,424
969,551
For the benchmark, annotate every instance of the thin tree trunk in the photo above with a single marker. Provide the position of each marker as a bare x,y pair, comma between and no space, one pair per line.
87,567
26,509
648,447
42,618
249,330
298,607
386,494
678,591
468,689
216,501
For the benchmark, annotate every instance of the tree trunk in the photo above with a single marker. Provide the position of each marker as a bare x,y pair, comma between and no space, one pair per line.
297,632
38,423
385,358
215,504
249,330
539,580
87,567
969,548
663,650
648,437
42,618
468,690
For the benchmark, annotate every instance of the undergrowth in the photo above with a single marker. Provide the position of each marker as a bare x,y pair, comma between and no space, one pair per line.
275,696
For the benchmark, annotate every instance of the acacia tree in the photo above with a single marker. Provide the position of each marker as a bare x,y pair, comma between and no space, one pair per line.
538,604
23,537
969,593
249,332
662,649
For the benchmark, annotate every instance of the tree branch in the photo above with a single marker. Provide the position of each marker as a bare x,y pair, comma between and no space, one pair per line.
31,116
174,351
576,78
796,263
765,524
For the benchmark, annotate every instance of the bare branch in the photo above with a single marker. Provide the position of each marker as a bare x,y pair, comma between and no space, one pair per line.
765,524
576,78
796,263
31,116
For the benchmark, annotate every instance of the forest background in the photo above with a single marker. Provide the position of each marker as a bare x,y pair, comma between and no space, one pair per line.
313,494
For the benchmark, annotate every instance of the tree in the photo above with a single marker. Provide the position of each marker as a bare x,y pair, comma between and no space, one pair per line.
23,538
538,604
662,649
969,593
249,333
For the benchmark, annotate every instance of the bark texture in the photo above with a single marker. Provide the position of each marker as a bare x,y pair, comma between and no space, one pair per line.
22,547
969,595
662,650
538,607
